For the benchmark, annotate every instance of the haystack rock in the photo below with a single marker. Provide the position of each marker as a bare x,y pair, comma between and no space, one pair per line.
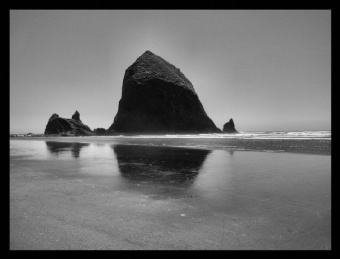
229,127
158,98
67,127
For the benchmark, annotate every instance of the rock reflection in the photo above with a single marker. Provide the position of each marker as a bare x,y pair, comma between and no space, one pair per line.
59,147
162,165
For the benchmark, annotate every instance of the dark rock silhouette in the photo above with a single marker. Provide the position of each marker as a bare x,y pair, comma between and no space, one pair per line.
158,98
67,127
76,116
229,127
100,131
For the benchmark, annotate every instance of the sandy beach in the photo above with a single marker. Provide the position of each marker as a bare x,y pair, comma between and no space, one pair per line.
124,197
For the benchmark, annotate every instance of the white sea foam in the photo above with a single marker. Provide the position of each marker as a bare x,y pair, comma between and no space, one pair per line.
325,135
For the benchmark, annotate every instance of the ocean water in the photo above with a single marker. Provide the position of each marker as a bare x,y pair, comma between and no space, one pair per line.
319,134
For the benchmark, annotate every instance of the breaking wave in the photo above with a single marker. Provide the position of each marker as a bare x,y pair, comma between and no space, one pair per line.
247,135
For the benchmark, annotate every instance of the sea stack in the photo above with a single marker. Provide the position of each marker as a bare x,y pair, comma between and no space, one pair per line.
229,127
158,98
67,127
76,116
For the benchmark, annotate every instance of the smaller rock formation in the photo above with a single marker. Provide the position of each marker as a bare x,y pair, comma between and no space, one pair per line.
76,116
54,116
67,127
229,127
100,131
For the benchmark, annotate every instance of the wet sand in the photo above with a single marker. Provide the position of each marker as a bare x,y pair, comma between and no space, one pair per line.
125,197
301,146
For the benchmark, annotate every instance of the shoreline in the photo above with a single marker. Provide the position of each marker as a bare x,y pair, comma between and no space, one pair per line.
312,146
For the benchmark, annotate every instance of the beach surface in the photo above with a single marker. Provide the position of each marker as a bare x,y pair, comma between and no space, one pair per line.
130,195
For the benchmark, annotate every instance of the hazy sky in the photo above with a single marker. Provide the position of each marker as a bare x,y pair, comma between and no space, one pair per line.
266,69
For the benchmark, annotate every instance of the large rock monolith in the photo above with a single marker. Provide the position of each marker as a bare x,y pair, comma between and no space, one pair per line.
158,98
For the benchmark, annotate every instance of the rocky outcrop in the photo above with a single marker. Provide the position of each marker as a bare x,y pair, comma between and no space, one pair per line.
158,98
67,127
229,127
76,116
100,131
